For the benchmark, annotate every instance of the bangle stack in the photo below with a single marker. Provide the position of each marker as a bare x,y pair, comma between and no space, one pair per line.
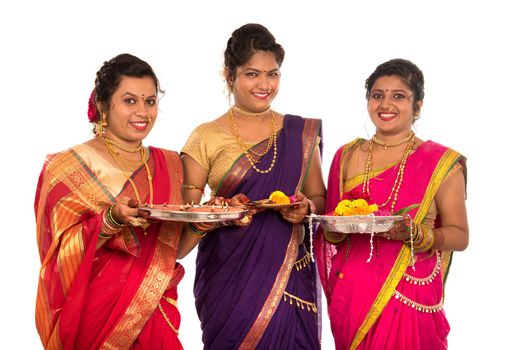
421,237
110,226
426,238
200,229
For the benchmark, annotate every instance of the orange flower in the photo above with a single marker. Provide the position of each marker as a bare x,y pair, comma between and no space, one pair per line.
348,207
279,197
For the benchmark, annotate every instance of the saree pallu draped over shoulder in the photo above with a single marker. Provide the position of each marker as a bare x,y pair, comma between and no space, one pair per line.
386,303
244,274
104,298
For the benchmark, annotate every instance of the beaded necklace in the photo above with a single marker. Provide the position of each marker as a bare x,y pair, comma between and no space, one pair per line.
272,142
400,174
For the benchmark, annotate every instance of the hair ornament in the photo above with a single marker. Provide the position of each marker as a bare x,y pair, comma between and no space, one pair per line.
92,111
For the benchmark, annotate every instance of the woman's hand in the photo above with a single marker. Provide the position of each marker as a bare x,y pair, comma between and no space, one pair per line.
238,200
297,213
399,232
125,212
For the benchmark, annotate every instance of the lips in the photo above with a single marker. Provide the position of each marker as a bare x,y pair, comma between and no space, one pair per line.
261,95
139,125
387,116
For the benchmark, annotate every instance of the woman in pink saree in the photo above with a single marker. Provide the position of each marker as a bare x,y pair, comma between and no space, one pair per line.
389,293
109,277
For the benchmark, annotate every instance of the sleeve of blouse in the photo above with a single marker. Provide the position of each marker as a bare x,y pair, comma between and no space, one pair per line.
196,148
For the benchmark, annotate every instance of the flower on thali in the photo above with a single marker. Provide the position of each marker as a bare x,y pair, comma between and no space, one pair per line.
279,197
360,206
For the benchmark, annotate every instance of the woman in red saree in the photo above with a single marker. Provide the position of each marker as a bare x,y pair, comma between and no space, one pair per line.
109,278
255,284
392,298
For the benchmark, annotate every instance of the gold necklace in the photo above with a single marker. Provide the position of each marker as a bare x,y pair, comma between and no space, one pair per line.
400,174
271,142
108,143
272,134
392,144
123,148
250,114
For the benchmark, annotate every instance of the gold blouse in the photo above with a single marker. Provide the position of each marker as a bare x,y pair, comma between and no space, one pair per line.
215,149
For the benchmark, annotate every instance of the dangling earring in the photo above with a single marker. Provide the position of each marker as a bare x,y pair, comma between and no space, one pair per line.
101,125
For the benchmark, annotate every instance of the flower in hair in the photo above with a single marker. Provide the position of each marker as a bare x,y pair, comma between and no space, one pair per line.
92,111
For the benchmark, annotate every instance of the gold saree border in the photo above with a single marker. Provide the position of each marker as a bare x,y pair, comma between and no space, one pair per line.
446,162
309,140
148,295
275,295
158,275
68,169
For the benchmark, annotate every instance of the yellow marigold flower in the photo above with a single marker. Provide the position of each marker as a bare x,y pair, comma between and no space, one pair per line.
348,207
279,197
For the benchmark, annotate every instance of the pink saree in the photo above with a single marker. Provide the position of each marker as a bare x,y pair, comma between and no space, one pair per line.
386,303
106,298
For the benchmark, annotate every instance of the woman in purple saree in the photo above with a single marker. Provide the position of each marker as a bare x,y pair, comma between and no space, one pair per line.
254,284
393,298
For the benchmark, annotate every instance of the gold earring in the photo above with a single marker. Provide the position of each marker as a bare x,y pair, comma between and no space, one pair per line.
101,125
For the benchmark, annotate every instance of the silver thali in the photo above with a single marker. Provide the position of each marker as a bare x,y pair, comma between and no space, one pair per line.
194,213
356,223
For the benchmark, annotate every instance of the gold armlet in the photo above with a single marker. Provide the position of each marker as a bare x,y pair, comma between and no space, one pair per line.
192,187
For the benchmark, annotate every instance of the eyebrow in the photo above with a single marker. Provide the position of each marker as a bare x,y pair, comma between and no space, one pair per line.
134,95
257,70
396,90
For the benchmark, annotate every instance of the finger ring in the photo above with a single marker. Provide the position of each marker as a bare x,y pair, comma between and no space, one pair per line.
245,219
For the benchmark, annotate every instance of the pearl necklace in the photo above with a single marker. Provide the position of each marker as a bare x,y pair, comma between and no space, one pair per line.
400,174
271,142
392,144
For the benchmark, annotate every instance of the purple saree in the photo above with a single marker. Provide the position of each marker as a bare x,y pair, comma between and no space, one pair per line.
249,292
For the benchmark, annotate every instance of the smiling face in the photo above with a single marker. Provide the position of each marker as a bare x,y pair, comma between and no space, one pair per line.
391,107
257,82
133,111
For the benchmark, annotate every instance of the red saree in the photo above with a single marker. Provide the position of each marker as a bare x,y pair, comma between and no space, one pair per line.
106,298
386,304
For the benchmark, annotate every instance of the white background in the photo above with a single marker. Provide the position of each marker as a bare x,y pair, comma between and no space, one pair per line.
468,52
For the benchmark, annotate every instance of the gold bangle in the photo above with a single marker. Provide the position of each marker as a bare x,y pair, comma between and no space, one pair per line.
196,232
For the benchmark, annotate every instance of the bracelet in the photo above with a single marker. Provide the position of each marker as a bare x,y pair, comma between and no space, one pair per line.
196,232
111,219
110,226
192,187
427,238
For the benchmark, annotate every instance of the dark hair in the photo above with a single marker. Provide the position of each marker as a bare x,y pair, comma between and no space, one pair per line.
110,74
406,70
243,44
